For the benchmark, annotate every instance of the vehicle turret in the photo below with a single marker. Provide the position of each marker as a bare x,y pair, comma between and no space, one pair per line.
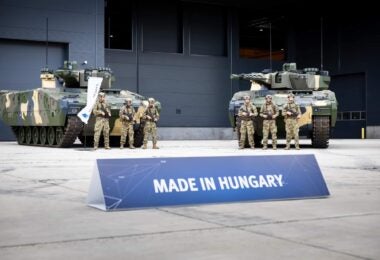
289,78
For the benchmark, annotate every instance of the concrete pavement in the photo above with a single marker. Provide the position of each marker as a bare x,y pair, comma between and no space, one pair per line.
43,214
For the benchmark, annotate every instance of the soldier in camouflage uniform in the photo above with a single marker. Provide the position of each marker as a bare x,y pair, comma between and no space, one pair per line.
102,112
269,112
246,114
151,117
291,113
127,114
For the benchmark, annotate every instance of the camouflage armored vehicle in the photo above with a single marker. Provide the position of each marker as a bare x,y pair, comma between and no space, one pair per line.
47,116
310,87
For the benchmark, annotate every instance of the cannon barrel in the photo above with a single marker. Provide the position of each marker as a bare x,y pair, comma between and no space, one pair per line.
257,77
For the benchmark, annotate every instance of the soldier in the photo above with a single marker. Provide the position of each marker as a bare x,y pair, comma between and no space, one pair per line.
291,113
103,113
127,114
246,114
269,112
151,117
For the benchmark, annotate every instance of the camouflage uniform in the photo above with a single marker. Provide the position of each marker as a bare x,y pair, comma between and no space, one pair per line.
102,123
269,125
291,124
150,125
127,114
246,124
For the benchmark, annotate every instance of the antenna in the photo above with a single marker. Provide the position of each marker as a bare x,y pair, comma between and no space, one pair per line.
47,43
321,43
270,46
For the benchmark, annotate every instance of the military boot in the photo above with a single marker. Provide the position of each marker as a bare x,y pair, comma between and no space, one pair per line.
131,146
297,146
95,148
107,147
145,146
274,147
155,146
265,147
121,145
287,147
241,147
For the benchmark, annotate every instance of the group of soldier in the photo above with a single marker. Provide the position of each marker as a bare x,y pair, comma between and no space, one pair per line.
247,112
269,112
127,113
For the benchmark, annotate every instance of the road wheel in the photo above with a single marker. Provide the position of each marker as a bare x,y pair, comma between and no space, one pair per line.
51,136
43,135
35,135
28,135
21,135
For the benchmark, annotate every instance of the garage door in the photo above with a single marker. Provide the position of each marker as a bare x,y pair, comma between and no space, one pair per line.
20,65
350,92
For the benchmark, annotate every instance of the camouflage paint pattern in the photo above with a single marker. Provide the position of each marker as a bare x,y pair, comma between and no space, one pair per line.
49,107
246,124
291,123
150,130
292,130
127,124
269,126
246,128
102,124
53,104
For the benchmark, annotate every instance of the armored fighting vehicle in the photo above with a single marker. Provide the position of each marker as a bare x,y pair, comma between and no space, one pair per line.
47,116
310,87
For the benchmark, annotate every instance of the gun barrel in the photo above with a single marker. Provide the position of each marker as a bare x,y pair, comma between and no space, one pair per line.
259,77
235,76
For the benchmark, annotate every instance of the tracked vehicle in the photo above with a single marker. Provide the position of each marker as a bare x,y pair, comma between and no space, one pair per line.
47,116
310,87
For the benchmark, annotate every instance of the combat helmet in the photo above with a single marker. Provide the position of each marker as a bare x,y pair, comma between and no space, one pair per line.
127,100
290,95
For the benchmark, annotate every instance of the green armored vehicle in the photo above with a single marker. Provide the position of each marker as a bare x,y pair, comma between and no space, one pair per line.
310,87
47,116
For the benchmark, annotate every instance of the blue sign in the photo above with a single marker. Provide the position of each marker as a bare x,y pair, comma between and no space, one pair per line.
155,182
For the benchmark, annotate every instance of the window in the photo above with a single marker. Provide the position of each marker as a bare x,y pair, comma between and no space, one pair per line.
162,27
262,36
351,115
355,115
208,30
118,25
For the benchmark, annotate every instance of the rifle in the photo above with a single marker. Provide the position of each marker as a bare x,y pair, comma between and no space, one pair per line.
105,111
294,113
149,113
129,115
247,117
269,115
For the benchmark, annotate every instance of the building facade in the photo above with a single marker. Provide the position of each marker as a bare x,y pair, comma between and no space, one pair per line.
182,52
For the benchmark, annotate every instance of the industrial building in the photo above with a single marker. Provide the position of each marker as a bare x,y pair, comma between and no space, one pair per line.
183,52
